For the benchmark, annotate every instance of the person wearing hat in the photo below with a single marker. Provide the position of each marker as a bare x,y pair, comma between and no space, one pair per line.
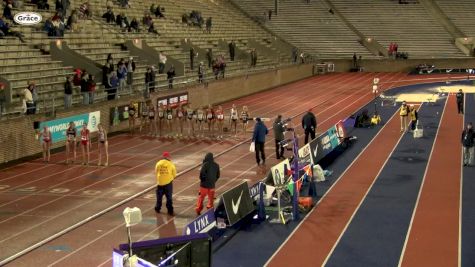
209,174
130,70
403,113
279,130
259,139
165,172
459,96
309,124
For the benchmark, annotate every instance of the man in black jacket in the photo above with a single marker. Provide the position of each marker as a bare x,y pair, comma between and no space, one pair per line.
209,174
279,130
309,124
468,142
232,48
459,97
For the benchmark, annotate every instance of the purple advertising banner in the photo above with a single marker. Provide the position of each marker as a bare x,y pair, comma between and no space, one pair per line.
201,224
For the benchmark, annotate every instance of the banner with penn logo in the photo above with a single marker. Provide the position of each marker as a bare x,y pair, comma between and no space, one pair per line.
58,127
27,18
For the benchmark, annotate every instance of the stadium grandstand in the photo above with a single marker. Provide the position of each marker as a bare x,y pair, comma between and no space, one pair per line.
317,132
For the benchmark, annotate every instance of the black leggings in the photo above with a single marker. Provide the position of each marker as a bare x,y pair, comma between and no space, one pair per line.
259,147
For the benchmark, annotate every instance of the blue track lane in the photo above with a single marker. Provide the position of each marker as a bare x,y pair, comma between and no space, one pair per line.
376,234
468,197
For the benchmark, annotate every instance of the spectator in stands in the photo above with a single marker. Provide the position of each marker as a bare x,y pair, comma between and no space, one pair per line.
113,85
124,3
232,49
170,76
209,56
391,49
152,29
259,139
270,14
185,19
85,10
147,20
359,63
468,143
27,101
65,7
134,25
110,59
209,24
153,78
2,25
355,61
7,11
109,16
148,80
295,53
162,60
130,71
222,65
193,54
71,24
459,97
215,68
34,95
56,28
158,12
68,92
2,98
77,77
209,174
309,125
84,88
58,6
253,57
105,74
91,87
122,75
201,72
42,4
331,11
302,58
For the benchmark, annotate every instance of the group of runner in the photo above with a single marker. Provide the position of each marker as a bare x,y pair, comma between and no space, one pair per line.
170,121
164,120
73,140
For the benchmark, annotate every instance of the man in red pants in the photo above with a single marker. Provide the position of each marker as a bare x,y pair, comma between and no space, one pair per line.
209,174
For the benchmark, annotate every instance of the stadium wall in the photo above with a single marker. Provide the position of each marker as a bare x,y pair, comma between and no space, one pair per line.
17,138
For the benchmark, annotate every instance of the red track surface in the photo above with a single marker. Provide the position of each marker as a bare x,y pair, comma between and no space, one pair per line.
36,203
439,200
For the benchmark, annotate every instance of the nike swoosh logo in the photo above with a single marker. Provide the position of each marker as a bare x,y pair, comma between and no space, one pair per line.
236,206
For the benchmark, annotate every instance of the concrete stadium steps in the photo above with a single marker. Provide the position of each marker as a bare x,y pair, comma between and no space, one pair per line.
461,13
411,26
309,27
95,39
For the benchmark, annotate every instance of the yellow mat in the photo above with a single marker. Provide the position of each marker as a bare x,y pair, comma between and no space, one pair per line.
417,98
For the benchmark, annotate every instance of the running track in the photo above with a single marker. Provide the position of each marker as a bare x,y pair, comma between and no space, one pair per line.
38,201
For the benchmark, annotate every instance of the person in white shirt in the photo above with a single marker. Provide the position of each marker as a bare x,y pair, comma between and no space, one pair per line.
27,101
162,62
